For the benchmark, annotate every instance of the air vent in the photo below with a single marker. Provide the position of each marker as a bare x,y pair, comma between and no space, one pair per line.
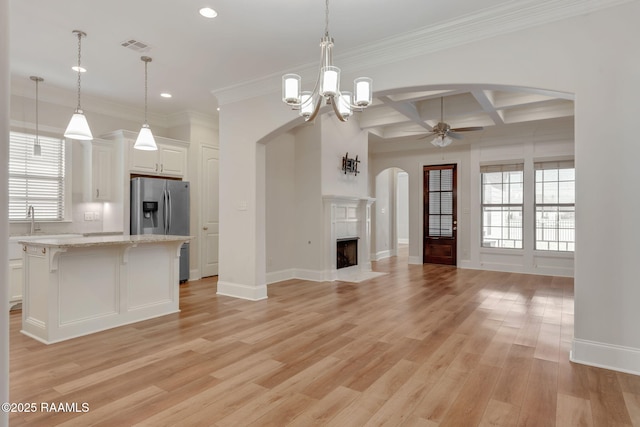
136,45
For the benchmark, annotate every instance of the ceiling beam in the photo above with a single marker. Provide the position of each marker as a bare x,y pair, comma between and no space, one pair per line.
408,109
487,104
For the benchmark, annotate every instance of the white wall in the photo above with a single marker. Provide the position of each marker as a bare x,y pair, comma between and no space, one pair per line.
4,226
578,55
308,168
402,207
280,207
338,139
383,214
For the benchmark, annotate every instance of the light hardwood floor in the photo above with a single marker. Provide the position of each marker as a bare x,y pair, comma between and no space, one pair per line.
421,346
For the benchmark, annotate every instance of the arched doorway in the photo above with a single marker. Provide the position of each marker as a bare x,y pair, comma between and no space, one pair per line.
391,214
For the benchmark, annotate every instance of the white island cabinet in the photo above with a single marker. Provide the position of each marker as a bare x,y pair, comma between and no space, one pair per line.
78,286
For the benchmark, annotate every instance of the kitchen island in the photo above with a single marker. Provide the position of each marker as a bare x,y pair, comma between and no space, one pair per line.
75,286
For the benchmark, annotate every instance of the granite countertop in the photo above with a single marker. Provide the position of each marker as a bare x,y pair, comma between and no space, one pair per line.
67,242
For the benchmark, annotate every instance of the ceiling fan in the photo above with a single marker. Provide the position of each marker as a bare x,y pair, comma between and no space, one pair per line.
444,133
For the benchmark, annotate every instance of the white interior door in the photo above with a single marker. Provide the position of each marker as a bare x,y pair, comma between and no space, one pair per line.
209,234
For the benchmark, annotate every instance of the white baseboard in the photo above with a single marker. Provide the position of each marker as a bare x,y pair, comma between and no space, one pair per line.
194,274
311,275
608,356
236,290
382,255
403,241
516,268
295,273
415,260
280,276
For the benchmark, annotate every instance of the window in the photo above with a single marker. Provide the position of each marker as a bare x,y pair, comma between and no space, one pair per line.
36,181
555,206
502,199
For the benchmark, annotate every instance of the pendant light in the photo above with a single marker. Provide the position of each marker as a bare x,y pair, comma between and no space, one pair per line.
78,127
37,149
145,140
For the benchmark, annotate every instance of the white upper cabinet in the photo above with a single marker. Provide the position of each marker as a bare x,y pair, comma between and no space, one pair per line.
169,160
100,173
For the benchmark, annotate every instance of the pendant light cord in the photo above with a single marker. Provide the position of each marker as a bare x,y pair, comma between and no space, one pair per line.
79,56
37,133
146,63
326,18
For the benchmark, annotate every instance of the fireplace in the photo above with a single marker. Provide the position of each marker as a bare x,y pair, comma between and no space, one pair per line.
346,252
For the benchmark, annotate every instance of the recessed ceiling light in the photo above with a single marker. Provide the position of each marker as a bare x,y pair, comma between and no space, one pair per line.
81,69
207,12
165,95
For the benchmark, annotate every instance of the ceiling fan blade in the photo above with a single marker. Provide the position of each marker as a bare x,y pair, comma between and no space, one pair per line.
426,136
467,129
454,135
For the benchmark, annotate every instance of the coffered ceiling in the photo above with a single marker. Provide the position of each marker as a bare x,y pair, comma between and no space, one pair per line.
249,41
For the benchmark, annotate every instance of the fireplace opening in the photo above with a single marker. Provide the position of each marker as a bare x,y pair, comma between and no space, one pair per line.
347,252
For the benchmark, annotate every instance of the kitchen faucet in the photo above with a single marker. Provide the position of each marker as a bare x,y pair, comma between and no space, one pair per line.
31,213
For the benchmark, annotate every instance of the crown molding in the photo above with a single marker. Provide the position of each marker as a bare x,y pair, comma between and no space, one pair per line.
192,118
490,22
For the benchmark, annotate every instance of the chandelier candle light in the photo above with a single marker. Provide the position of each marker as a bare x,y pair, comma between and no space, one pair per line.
145,140
78,127
327,86
37,149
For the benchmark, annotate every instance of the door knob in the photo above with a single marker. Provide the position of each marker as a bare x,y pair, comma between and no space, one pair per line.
205,228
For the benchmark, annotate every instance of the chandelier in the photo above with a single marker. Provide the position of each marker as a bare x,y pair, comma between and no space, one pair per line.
327,87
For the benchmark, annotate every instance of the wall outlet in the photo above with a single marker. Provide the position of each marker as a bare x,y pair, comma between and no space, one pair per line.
88,216
96,216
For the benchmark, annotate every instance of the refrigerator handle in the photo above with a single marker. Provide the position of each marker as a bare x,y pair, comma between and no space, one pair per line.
170,212
166,211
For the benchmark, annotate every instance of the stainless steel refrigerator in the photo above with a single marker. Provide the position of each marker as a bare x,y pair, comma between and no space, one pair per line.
161,206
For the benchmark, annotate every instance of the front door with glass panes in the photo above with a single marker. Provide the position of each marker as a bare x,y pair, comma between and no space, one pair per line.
440,220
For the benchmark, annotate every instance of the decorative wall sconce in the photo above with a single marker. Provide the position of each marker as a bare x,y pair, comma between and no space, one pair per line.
350,165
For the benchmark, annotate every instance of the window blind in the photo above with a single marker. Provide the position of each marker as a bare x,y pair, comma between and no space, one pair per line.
502,168
567,164
36,181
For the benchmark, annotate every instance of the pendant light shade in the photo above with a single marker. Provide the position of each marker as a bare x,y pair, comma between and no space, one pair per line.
145,140
78,127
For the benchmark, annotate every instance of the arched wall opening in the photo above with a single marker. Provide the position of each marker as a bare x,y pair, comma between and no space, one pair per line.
556,55
390,214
